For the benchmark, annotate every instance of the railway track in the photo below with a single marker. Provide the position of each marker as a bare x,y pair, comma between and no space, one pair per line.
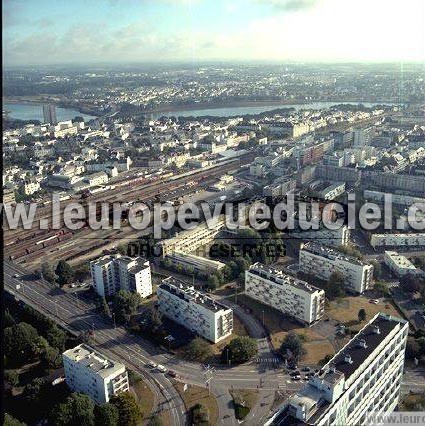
29,246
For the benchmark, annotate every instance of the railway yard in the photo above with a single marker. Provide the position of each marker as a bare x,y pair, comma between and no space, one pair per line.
29,247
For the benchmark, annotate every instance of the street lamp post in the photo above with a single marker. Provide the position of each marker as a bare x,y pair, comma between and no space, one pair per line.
113,317
56,308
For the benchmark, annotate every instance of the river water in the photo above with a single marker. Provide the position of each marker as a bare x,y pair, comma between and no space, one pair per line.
35,112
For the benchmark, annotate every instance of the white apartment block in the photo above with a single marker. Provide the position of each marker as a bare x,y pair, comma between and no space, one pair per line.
113,273
190,240
194,310
88,371
322,261
397,240
98,178
197,263
403,200
400,265
31,186
285,293
329,237
332,191
363,377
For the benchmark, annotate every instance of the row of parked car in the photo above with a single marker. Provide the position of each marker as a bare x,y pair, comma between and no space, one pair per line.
295,374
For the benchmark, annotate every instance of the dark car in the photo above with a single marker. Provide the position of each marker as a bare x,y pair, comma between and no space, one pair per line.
172,373
307,369
294,373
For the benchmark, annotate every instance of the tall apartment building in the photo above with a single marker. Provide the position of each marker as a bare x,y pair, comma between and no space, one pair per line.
49,114
113,273
194,310
330,237
285,293
361,137
88,371
398,240
191,239
363,377
322,261
400,265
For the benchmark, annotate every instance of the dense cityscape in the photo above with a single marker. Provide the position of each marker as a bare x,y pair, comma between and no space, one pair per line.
214,243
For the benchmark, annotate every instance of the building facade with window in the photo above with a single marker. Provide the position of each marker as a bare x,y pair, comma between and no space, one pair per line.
322,261
363,377
194,310
115,272
88,371
285,293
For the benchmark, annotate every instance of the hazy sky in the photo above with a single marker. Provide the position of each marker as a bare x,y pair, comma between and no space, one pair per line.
89,31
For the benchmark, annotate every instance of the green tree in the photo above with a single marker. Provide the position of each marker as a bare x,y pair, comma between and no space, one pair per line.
198,350
78,409
51,357
11,377
64,272
47,272
11,421
18,341
105,415
126,304
212,282
128,411
105,307
56,337
335,286
293,344
241,349
153,319
39,345
35,390
199,415
382,288
361,315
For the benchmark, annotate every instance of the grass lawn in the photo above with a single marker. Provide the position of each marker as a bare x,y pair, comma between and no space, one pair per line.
407,401
346,310
250,396
197,395
145,398
278,326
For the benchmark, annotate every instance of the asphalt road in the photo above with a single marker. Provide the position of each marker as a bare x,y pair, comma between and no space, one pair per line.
79,315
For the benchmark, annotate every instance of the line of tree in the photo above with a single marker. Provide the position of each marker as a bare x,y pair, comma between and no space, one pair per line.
62,274
79,409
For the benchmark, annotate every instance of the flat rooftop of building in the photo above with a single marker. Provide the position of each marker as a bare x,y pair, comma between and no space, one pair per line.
188,292
279,277
362,345
330,253
400,260
88,357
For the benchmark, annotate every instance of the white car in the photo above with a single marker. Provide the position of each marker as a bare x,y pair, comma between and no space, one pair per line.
161,368
152,364
16,276
374,301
